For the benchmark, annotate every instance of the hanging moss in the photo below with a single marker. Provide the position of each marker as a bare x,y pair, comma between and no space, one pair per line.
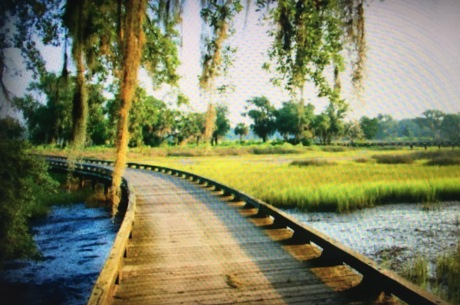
132,50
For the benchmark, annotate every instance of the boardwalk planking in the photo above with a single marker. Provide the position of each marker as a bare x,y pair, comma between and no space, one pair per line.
190,246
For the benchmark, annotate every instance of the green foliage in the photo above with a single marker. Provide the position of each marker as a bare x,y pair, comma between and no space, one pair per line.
262,113
10,128
24,177
307,39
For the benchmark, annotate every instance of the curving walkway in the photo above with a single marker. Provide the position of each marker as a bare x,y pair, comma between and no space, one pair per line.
191,245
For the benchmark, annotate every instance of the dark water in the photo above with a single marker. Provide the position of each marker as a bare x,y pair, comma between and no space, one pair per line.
74,241
392,234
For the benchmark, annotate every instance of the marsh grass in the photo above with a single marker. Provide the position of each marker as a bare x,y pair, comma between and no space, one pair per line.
416,271
351,180
444,281
448,275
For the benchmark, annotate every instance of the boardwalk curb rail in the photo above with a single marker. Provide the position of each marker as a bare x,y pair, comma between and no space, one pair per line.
388,281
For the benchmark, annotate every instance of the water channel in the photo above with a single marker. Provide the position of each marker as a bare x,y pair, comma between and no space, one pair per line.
74,241
392,234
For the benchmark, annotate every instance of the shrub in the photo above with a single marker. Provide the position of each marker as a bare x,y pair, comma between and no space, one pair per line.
443,161
394,159
334,148
24,180
312,162
363,160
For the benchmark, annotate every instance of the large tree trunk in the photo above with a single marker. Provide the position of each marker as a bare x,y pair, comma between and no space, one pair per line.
80,104
209,124
132,50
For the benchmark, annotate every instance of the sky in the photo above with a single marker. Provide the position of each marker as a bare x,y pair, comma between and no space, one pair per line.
413,61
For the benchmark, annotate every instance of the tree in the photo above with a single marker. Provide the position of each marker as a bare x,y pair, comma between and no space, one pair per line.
369,126
189,126
450,127
241,130
387,127
322,126
262,113
222,125
353,131
336,111
295,119
432,120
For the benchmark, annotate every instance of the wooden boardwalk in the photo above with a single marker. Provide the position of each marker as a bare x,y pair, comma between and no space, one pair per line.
193,246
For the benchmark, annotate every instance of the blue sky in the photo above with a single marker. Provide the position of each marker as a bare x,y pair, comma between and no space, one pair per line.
413,61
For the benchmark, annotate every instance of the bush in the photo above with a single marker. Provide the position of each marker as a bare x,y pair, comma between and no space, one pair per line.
334,148
363,160
312,162
394,159
443,161
24,179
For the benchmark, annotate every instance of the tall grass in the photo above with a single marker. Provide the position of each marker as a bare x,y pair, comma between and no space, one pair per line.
342,187
352,180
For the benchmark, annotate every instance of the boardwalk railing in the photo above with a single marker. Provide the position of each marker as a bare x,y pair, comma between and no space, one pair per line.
374,277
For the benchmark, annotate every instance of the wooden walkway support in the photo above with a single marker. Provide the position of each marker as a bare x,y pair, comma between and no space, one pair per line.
196,241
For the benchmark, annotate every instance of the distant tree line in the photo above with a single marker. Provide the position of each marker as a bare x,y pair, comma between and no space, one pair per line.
432,125
155,123
297,126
